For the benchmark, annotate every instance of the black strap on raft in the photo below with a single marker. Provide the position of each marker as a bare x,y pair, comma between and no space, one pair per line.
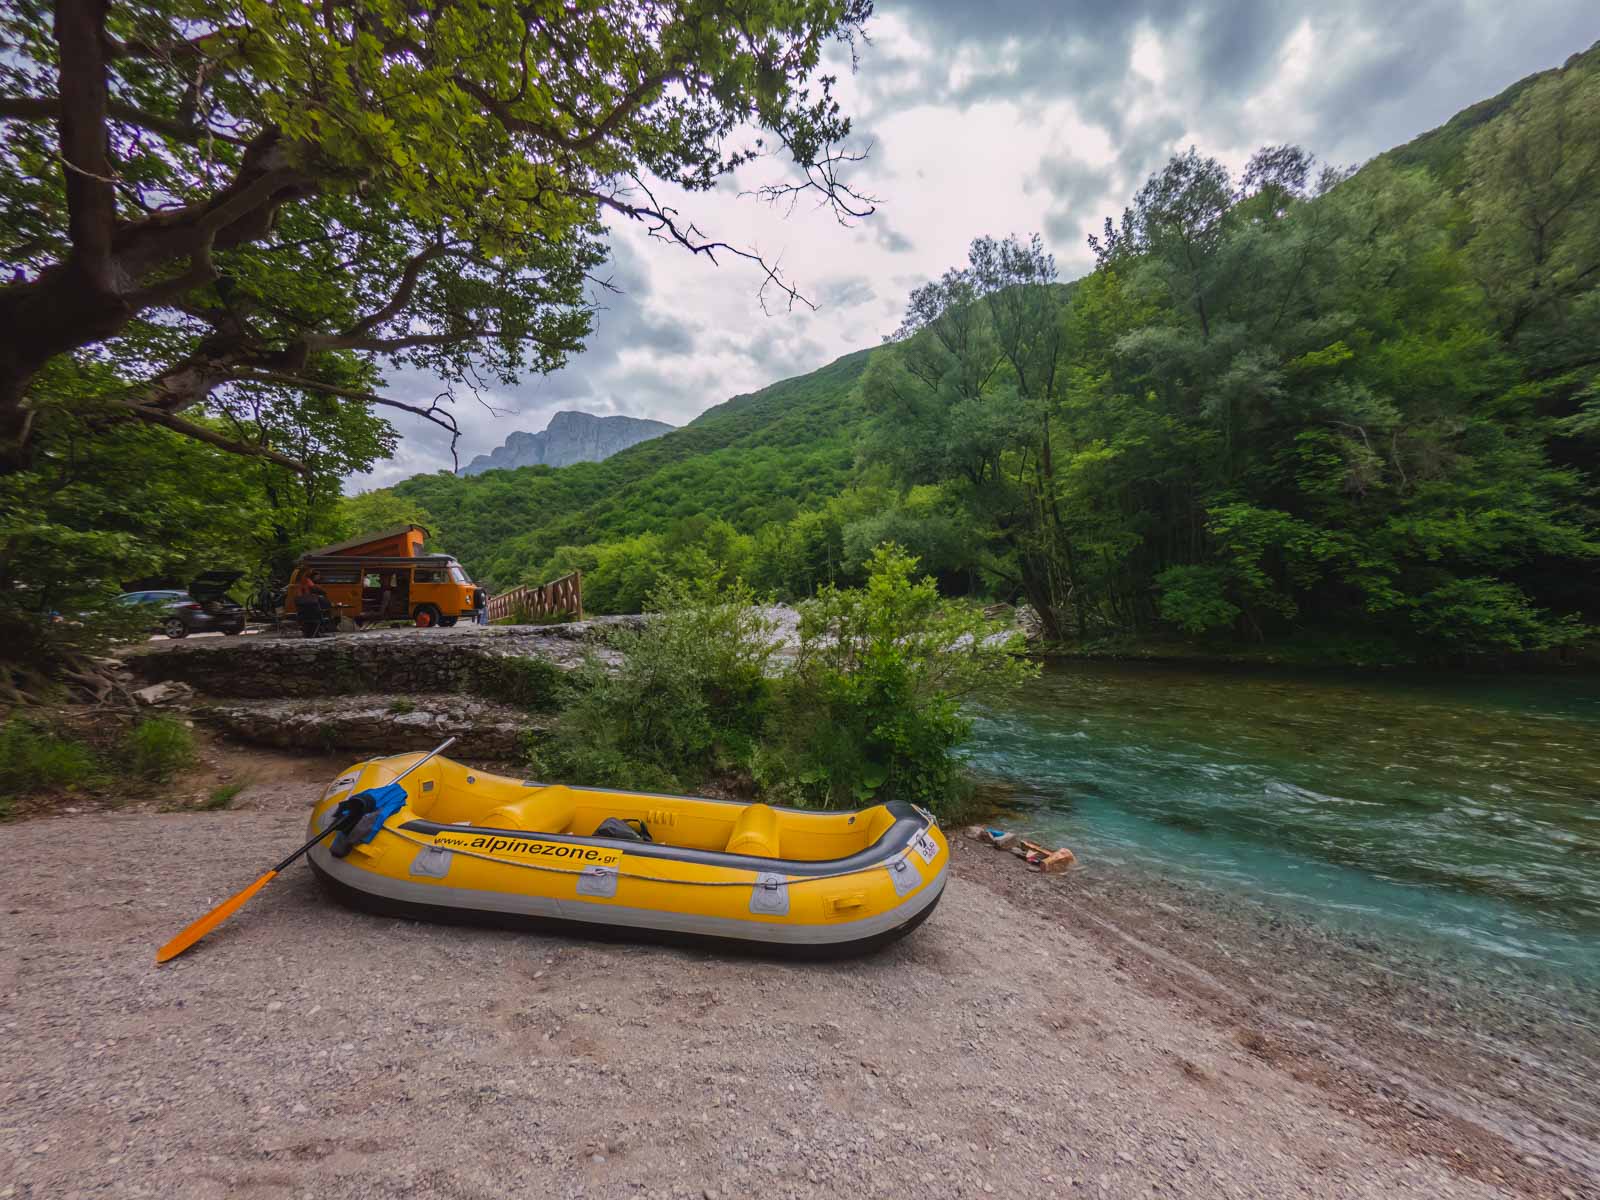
346,817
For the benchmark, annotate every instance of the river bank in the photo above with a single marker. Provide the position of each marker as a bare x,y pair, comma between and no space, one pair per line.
1430,1059
1317,654
1007,1048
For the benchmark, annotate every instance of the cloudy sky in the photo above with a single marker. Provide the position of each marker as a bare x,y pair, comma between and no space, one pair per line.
1006,116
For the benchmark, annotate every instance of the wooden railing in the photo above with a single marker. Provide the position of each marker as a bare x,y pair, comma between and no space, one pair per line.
553,599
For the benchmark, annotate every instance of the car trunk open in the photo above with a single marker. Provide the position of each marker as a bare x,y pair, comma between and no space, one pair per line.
210,589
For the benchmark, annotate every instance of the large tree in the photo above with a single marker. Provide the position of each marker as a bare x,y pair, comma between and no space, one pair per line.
232,194
970,394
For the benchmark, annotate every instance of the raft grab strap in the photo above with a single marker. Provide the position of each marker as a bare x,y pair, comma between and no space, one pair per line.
905,880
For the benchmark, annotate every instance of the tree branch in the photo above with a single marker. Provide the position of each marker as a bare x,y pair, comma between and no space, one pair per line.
91,199
434,414
661,222
608,124
211,437
402,294
27,108
822,177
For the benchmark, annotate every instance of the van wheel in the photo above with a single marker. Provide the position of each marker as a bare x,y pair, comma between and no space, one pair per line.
446,622
426,616
174,628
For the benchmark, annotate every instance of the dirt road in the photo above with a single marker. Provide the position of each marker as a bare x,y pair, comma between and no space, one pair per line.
308,1051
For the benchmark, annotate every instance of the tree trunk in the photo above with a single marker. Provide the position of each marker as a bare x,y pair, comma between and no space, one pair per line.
106,282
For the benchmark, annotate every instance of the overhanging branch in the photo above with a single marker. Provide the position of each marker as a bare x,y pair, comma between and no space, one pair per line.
27,108
664,223
434,413
211,437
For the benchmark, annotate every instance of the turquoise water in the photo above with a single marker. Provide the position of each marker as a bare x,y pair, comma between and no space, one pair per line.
1461,815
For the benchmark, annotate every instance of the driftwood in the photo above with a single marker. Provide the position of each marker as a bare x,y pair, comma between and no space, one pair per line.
1038,858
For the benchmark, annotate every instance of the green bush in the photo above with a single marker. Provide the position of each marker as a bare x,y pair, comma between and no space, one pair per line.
33,760
871,709
157,748
1195,599
532,683
1479,614
688,700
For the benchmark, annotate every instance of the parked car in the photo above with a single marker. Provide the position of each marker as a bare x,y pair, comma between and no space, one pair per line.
205,608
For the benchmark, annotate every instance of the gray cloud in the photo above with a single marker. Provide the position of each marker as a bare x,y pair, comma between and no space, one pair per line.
890,238
849,291
1073,190
777,356
1450,52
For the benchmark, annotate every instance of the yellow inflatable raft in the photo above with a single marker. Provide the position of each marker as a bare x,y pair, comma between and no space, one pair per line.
449,843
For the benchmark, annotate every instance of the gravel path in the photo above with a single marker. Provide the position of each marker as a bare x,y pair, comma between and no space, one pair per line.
305,1051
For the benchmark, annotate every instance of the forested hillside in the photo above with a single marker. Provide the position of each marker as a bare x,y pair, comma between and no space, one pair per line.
745,464
1357,408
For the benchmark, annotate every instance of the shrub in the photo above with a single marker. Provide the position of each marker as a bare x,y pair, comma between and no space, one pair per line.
1481,615
532,683
1195,599
33,760
688,699
157,748
872,706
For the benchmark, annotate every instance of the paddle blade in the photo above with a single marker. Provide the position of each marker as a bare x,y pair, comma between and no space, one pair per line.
212,919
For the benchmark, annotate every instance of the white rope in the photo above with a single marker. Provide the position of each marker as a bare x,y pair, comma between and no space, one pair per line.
509,862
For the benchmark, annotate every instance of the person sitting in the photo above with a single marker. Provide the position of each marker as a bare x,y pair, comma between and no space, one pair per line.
311,606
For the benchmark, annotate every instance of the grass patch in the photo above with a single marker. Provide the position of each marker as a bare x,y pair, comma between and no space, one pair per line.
34,759
401,707
157,748
222,798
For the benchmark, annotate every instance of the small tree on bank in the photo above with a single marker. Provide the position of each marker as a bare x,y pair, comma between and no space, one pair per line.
872,707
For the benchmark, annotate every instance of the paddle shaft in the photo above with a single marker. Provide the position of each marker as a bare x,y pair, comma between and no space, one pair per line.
194,932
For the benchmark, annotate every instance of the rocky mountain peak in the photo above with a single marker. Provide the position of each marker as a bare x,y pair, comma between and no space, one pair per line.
570,437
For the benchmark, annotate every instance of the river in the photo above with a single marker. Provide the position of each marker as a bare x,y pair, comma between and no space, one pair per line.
1458,819
1414,863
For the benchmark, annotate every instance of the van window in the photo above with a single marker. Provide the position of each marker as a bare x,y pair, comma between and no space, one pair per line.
429,575
457,573
372,580
327,575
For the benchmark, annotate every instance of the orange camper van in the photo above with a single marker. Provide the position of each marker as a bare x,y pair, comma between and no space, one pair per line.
385,576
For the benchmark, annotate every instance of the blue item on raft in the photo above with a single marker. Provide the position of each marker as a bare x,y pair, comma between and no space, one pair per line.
385,801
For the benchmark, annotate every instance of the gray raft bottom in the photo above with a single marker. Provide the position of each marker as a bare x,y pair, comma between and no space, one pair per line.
776,933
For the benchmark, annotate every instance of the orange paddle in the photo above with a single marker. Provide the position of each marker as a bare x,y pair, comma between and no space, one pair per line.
345,817
232,904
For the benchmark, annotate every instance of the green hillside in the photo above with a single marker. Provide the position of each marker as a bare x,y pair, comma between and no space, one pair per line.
748,461
1442,151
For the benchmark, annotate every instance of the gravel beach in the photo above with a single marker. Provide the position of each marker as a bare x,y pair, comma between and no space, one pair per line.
305,1051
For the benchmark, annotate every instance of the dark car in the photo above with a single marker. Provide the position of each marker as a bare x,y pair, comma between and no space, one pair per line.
205,608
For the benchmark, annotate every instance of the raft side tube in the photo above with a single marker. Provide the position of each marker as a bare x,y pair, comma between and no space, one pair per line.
896,840
388,897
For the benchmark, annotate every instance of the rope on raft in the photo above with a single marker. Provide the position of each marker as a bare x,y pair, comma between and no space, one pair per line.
509,862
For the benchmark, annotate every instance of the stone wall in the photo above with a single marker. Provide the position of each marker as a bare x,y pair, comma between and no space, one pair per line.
483,729
380,692
396,662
